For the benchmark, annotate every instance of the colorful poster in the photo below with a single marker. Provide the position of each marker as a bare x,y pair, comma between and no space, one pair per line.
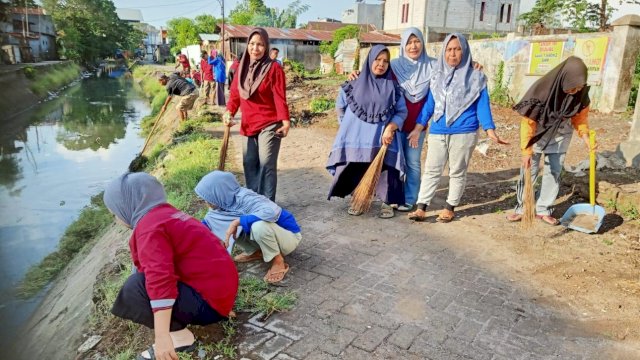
593,52
545,55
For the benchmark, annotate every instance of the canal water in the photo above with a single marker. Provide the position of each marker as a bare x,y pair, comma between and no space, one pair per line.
53,159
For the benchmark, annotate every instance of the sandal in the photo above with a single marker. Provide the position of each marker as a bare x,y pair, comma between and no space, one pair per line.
279,275
151,351
244,257
354,212
514,217
548,219
405,207
445,216
415,217
386,212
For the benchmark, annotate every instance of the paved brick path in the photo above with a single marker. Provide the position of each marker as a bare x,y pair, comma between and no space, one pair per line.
372,288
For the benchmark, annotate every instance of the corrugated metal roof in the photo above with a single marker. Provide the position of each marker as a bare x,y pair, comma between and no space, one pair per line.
333,26
209,37
30,11
129,14
243,31
379,38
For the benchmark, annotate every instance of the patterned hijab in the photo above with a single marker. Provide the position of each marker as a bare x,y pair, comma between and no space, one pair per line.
372,98
413,75
252,72
454,89
221,189
546,101
132,195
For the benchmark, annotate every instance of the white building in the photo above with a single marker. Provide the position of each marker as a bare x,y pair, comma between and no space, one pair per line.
436,18
363,13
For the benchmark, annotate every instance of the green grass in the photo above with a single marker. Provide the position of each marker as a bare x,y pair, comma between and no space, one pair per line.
93,219
150,85
321,104
255,296
607,242
51,78
630,211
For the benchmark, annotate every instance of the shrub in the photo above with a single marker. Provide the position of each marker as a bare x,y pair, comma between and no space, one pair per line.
29,72
321,104
500,93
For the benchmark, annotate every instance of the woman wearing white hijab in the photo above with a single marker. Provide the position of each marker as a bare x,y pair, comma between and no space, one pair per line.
459,104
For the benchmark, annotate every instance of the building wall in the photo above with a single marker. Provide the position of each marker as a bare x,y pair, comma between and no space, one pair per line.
308,55
362,13
610,86
393,15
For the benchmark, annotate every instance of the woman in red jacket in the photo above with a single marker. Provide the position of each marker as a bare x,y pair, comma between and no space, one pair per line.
258,90
183,274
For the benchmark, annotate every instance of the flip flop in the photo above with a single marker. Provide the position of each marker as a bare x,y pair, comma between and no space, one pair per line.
244,257
386,212
353,212
413,216
280,275
548,219
405,208
514,217
445,217
186,348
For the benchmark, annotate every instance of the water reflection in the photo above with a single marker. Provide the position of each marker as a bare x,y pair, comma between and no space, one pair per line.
53,158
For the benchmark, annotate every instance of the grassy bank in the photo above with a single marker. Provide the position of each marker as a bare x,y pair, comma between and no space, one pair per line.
51,78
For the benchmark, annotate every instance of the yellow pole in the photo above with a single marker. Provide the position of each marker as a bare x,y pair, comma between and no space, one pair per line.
592,168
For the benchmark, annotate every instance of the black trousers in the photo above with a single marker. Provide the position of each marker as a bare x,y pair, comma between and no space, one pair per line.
133,304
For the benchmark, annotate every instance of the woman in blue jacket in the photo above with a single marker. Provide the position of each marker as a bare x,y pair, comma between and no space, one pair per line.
458,103
220,77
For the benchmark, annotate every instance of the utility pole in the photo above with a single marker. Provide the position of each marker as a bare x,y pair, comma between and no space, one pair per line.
221,2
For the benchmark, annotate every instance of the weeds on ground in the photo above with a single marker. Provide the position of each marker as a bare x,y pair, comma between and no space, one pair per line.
150,85
607,242
321,104
93,219
53,78
630,212
500,93
255,296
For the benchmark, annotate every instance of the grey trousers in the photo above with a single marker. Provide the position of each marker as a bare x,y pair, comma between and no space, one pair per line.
456,150
548,192
260,161
269,237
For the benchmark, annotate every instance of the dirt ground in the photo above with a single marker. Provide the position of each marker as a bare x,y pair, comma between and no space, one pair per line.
595,277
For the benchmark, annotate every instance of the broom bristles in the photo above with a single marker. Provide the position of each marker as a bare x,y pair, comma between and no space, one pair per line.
529,206
223,148
363,194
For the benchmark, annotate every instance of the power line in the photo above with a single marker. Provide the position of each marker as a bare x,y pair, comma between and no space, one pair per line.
178,15
170,4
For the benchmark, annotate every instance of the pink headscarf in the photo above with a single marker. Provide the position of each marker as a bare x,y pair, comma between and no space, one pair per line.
214,53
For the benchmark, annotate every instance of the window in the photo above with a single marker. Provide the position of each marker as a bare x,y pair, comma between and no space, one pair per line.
509,13
502,13
405,13
483,8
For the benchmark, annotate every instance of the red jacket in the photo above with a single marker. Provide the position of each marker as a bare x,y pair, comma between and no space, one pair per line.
168,246
207,70
268,105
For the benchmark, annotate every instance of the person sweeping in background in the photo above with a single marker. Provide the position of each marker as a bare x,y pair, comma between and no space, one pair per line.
178,86
183,273
552,108
263,230
459,104
370,110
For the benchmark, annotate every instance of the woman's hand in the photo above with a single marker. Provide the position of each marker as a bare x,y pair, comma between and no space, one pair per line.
354,75
283,131
387,135
164,348
495,138
585,138
231,231
414,136
227,119
477,66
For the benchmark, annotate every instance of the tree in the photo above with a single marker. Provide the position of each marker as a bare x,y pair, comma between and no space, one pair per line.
256,13
90,29
183,32
347,32
544,12
581,14
205,24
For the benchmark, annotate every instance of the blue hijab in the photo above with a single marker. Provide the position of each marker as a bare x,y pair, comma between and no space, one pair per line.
132,195
372,98
221,189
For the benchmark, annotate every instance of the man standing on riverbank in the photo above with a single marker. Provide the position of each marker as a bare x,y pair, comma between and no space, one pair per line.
177,86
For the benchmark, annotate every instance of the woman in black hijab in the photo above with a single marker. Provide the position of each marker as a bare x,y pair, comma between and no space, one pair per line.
553,107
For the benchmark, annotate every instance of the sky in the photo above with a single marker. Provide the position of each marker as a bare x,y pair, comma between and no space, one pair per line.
157,12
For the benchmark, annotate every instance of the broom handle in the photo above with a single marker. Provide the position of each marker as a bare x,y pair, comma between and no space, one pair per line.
225,145
146,141
592,168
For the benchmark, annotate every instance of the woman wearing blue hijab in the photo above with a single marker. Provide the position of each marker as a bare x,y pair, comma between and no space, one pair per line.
260,227
370,110
458,103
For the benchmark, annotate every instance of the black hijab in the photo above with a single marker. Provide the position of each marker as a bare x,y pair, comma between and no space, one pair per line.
546,101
